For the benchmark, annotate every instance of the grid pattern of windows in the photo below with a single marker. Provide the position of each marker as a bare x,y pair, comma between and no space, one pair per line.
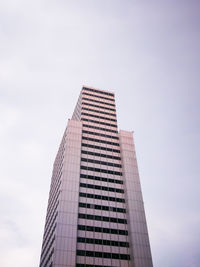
108,156
104,188
100,141
99,128
103,179
52,209
92,204
98,91
88,265
101,171
100,134
102,230
100,122
102,242
102,97
96,106
101,207
97,101
107,255
98,117
103,197
98,111
101,162
101,218
101,148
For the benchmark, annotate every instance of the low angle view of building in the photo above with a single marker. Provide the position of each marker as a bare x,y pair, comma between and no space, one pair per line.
95,214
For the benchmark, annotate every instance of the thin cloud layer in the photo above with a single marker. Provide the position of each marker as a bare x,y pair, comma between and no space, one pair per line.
148,53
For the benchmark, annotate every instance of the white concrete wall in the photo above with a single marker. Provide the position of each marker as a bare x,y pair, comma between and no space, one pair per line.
139,240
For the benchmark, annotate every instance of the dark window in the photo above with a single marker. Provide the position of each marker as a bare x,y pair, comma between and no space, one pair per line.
98,111
100,230
98,187
107,255
91,177
88,265
97,91
101,162
99,134
101,148
102,97
100,122
87,195
98,117
99,128
101,207
101,170
97,106
97,101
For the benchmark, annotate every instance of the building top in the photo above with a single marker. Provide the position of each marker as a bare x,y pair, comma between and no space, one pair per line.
97,90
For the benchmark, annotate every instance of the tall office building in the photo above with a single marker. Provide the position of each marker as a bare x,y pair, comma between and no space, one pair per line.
95,214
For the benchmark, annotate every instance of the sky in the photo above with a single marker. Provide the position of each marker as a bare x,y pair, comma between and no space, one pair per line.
147,52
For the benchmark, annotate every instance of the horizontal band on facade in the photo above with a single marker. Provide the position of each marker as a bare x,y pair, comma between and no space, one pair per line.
98,96
99,128
97,101
98,117
103,179
101,218
100,155
98,91
101,162
100,134
104,242
96,106
89,265
101,148
102,197
47,248
48,259
100,122
99,141
99,187
100,170
98,111
46,245
102,230
101,207
106,255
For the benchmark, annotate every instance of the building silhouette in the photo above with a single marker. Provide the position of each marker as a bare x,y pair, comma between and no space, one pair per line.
95,214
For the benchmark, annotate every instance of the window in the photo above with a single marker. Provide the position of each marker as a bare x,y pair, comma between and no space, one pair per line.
101,162
101,207
103,197
101,148
97,101
100,134
101,170
99,128
103,254
100,122
98,187
97,91
100,230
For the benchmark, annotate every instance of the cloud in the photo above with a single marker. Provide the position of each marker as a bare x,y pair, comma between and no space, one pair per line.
148,53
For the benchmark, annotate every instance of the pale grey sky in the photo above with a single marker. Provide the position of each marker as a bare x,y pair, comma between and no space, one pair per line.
147,52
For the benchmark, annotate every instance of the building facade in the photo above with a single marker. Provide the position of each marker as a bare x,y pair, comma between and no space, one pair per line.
95,214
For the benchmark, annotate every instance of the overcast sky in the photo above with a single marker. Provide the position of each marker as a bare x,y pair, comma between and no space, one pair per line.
147,52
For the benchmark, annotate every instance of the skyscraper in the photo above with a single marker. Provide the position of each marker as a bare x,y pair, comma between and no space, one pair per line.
95,214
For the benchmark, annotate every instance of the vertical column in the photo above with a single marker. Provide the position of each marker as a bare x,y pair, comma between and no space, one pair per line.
141,254
66,230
